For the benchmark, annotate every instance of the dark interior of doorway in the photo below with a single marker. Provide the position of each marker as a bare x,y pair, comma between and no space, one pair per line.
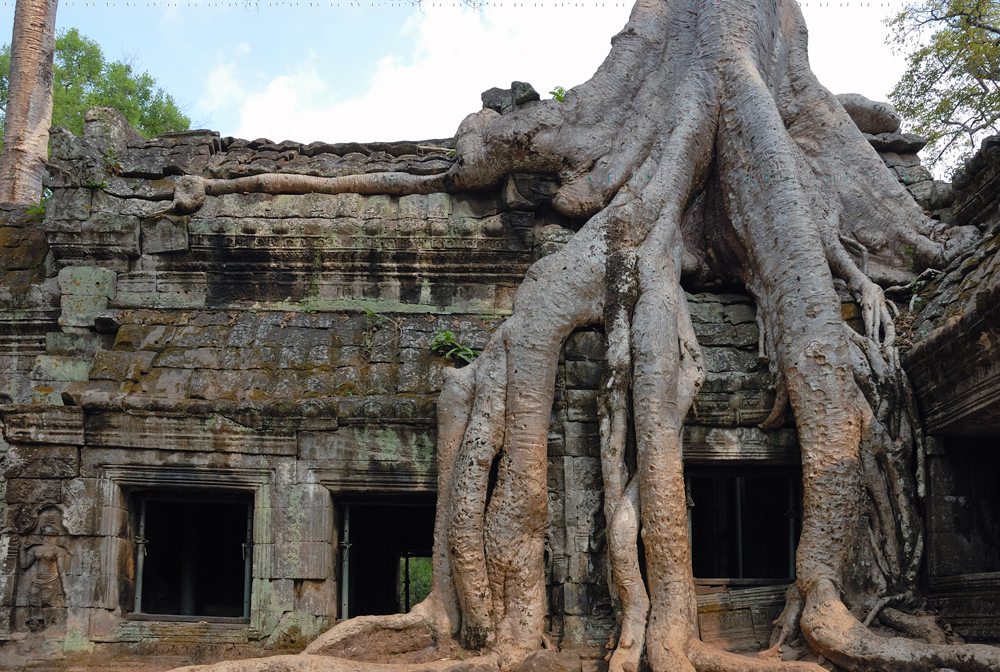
380,536
744,522
195,559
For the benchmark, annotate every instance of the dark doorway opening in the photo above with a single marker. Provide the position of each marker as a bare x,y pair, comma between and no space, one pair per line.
194,555
744,523
385,552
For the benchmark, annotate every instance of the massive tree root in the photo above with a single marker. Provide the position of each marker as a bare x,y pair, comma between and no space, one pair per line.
703,149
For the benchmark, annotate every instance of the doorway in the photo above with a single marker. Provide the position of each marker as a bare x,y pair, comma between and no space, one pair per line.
385,552
194,555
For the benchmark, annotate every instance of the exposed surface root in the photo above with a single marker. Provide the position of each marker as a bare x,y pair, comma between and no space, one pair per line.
312,663
830,629
190,190
710,659
923,627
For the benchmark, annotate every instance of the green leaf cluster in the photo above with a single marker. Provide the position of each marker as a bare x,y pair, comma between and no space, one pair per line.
445,344
950,91
84,78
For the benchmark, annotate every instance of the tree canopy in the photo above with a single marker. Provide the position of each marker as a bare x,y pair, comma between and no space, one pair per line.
85,78
951,88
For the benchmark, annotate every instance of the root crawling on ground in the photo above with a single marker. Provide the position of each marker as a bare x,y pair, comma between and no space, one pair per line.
702,149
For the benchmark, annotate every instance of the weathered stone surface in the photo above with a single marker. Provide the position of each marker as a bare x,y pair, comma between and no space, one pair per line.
913,174
49,367
42,424
870,116
121,366
76,344
213,434
164,234
900,143
42,461
81,311
88,281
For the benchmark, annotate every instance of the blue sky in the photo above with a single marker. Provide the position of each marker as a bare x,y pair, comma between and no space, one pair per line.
389,71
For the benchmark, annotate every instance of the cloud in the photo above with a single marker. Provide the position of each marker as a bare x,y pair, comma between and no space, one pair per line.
444,56
455,54
222,88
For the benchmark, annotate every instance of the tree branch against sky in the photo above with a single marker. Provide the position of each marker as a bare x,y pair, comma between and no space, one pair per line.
950,91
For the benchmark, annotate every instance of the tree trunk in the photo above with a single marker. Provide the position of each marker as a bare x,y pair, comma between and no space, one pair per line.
703,148
29,102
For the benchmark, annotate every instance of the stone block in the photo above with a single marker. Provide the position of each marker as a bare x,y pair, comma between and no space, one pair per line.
705,312
574,631
55,368
27,424
413,207
214,434
69,204
912,174
26,495
582,405
169,383
164,234
719,360
438,206
32,460
88,281
269,601
380,206
318,598
80,311
574,598
143,337
83,503
582,439
349,205
870,116
583,375
740,313
583,474
85,344
48,392
122,366
587,345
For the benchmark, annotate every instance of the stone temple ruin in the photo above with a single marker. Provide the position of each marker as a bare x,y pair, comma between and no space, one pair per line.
219,428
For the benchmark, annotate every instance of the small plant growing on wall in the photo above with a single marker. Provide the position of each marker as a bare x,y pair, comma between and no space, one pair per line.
446,345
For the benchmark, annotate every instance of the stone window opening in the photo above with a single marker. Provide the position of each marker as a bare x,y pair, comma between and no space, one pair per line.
384,541
744,524
194,555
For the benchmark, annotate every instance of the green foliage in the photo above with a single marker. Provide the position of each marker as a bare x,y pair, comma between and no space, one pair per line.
420,580
84,78
445,344
950,91
37,210
559,93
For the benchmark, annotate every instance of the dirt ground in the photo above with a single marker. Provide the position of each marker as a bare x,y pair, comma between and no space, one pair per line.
577,660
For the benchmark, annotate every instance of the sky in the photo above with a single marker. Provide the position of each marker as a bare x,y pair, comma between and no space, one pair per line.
367,71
